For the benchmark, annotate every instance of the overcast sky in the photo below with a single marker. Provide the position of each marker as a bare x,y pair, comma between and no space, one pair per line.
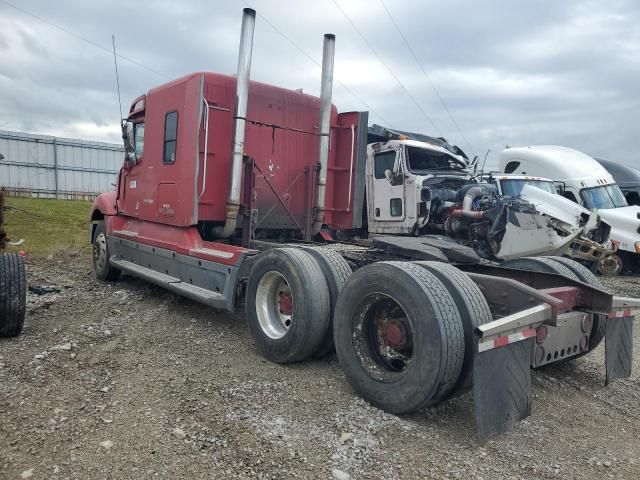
516,73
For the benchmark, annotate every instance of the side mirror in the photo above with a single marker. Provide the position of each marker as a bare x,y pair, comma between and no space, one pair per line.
561,187
129,146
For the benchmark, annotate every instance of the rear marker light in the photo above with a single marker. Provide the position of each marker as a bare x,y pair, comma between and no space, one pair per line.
541,334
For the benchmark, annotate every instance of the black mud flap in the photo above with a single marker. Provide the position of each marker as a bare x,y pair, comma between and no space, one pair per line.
618,348
502,387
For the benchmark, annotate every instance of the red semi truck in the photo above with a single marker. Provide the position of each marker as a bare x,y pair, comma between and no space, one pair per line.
234,190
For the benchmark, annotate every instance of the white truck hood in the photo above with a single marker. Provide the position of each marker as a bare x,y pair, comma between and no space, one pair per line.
624,218
554,205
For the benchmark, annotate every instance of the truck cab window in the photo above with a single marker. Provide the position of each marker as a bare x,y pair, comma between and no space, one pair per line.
170,137
138,138
382,162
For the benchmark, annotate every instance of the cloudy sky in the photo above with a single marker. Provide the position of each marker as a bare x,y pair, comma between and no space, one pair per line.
516,73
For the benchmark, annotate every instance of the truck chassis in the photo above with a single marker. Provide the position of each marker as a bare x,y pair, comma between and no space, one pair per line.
409,332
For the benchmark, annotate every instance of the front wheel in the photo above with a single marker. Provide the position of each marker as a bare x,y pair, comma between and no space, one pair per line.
101,265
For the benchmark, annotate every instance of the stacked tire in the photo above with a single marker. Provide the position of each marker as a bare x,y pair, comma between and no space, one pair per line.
13,293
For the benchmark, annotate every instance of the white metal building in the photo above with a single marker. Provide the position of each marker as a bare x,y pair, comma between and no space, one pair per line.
54,167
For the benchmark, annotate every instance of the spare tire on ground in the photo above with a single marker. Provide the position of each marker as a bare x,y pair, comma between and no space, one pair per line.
399,336
13,294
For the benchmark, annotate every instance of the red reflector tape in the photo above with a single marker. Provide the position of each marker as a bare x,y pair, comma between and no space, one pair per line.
506,340
620,313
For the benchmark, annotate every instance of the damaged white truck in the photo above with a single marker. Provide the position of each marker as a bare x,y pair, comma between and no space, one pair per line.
425,188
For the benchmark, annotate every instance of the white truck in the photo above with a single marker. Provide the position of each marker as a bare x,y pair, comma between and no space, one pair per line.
426,189
587,183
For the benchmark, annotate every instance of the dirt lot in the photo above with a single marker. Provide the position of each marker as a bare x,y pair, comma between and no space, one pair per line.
126,380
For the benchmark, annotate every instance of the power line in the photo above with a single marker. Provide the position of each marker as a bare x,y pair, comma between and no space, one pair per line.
297,47
80,37
388,68
433,87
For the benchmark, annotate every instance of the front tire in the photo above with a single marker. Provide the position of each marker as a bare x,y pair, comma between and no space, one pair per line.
101,254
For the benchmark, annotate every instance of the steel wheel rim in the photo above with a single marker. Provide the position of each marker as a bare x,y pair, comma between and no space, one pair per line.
100,252
610,266
383,338
274,305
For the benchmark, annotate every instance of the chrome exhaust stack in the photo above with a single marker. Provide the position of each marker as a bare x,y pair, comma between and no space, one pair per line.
326,88
242,96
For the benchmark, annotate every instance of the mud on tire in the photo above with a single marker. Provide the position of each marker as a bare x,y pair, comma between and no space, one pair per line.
398,336
287,305
13,294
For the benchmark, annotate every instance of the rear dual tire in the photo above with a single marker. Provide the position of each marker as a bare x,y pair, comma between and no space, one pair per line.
288,305
573,271
399,336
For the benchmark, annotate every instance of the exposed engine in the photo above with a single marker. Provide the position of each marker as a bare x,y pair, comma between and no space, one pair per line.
499,228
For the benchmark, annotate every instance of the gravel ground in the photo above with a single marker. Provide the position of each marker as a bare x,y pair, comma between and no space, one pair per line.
125,380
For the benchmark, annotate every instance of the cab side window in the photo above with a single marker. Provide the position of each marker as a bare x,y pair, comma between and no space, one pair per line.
382,162
138,138
170,137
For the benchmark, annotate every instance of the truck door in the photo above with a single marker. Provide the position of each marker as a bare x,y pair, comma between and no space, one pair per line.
386,184
162,185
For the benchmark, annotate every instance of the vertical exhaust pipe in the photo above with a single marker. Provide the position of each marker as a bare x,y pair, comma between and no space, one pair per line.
326,88
242,96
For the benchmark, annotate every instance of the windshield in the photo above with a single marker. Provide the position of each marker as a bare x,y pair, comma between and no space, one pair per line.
420,160
513,188
604,196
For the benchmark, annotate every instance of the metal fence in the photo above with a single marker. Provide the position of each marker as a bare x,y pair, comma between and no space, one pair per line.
54,167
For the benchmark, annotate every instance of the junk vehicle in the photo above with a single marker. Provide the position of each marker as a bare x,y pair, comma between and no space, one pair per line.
13,283
235,191
420,185
627,178
593,247
589,184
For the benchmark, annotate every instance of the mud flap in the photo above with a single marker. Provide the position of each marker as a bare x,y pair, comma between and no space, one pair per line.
502,387
618,347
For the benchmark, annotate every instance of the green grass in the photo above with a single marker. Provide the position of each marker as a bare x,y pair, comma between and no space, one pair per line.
48,227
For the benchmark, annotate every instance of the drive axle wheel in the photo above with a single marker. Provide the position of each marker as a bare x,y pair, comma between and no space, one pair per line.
336,272
13,294
101,255
586,276
474,311
274,304
287,304
398,336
